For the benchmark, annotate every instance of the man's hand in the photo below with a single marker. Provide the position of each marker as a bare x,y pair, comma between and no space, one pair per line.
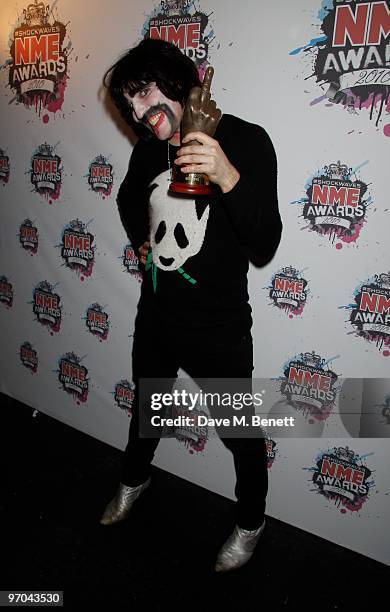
209,158
201,153
143,252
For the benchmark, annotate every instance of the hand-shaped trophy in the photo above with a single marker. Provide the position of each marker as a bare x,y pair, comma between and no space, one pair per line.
200,115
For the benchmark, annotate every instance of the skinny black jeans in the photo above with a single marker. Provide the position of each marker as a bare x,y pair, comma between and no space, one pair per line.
158,352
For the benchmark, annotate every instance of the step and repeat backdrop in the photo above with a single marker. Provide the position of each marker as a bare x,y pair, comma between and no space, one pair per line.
315,74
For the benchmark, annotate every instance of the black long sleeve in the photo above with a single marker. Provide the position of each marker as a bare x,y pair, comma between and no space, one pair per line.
132,198
198,273
252,204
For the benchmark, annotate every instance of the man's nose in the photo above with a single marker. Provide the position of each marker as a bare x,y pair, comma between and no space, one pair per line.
139,109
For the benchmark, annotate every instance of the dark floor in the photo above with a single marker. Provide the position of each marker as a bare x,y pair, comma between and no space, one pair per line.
57,481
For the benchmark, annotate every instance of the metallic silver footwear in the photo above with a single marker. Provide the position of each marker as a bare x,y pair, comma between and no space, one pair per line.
119,507
238,548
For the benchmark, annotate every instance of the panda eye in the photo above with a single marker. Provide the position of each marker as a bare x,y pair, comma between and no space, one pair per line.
180,236
160,233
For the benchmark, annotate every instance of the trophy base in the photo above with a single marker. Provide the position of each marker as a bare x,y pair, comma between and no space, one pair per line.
188,189
193,183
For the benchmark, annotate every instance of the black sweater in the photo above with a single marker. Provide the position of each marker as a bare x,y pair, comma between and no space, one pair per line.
208,287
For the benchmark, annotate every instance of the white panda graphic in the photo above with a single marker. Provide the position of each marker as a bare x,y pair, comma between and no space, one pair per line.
177,225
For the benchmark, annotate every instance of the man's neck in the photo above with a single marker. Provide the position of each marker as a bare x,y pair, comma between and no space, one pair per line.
175,140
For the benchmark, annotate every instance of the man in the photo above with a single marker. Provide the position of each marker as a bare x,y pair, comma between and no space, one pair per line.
193,311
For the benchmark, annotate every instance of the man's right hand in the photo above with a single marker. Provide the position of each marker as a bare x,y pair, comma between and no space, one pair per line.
143,252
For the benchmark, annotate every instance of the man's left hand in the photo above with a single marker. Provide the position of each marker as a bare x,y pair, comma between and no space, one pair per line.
208,158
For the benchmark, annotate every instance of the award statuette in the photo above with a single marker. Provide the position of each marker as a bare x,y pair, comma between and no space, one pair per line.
200,115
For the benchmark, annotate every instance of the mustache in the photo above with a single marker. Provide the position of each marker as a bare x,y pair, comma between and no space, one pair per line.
156,109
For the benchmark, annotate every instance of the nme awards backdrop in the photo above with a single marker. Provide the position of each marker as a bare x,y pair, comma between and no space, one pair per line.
316,75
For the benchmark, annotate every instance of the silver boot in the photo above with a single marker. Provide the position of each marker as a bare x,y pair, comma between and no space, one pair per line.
238,548
119,507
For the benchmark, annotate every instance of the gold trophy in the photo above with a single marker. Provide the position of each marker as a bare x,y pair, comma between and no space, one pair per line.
200,115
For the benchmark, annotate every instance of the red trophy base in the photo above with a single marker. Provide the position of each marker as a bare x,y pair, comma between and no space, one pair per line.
190,184
188,189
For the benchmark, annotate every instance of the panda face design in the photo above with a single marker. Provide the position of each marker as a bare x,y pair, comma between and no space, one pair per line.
177,225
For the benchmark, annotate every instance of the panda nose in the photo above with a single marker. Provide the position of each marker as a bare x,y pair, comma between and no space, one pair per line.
166,261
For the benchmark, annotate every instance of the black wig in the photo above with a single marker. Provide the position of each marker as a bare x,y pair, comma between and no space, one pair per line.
151,60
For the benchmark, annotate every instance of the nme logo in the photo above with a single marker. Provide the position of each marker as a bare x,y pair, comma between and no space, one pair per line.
29,357
100,176
4,167
76,248
341,476
46,172
309,387
370,313
38,67
97,321
46,306
73,377
187,27
336,203
352,55
124,395
131,262
28,237
270,446
288,291
6,292
365,24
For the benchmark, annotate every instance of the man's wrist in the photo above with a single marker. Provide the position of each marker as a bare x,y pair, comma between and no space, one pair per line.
231,181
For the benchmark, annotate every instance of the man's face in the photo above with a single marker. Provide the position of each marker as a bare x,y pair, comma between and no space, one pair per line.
158,113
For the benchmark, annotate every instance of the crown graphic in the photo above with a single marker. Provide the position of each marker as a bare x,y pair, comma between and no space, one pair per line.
36,14
27,345
46,150
174,7
72,357
3,279
290,271
27,223
2,153
344,453
96,307
101,160
311,359
338,170
125,383
45,286
383,280
77,226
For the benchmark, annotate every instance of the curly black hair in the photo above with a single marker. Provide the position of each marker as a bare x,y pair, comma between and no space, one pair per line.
152,60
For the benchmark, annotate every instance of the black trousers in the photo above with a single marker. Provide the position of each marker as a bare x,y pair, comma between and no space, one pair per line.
158,352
